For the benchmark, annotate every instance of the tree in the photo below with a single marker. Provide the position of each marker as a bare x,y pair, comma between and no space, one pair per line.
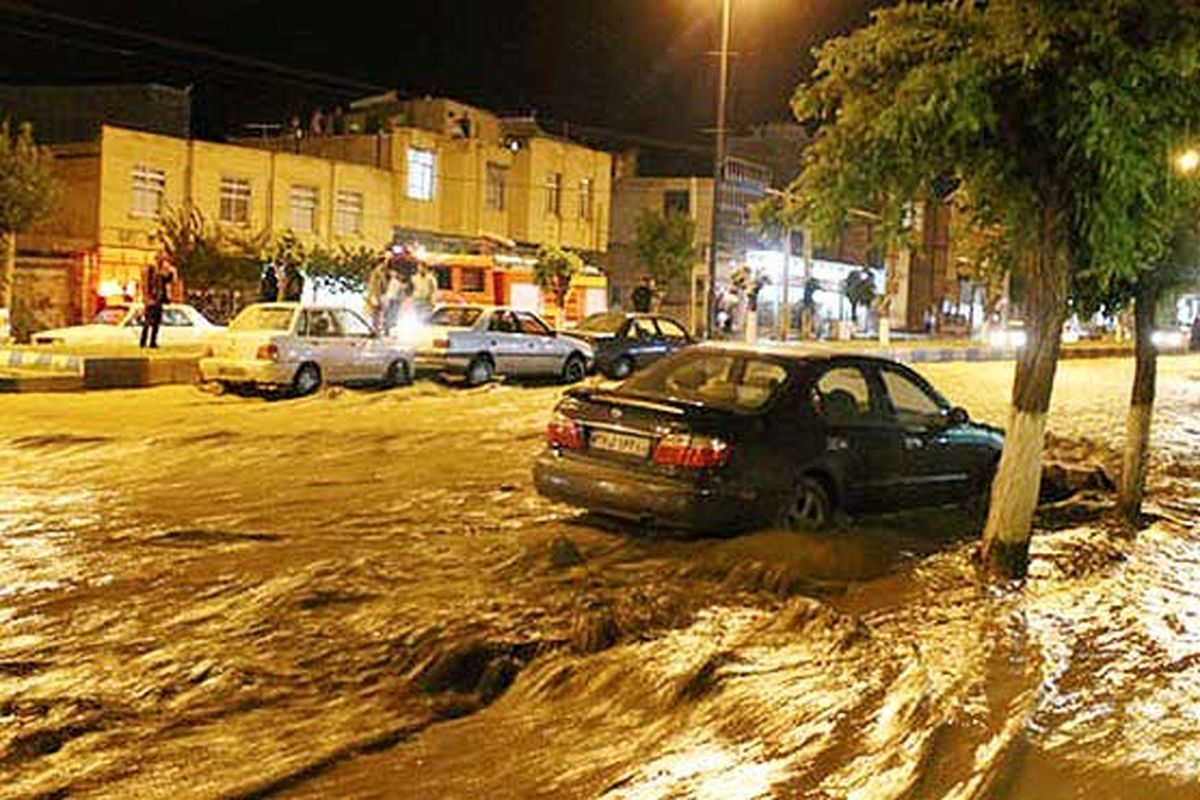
665,245
27,194
859,289
344,269
554,270
208,257
1179,266
1056,118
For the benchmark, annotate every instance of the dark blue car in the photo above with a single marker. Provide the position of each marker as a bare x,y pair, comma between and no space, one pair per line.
624,343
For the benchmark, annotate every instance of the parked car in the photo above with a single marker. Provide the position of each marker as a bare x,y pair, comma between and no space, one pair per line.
478,342
627,342
297,347
717,438
121,324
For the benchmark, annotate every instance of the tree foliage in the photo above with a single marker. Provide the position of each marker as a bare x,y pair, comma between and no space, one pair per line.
859,289
1035,106
344,269
27,187
554,270
665,245
208,256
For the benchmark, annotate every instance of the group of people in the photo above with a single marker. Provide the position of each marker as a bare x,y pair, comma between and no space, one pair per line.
280,284
397,286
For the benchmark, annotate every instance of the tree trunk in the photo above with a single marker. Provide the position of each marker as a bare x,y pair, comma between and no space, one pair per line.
8,242
1141,404
1005,548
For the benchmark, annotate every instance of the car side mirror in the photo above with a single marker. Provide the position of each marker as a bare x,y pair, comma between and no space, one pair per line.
958,416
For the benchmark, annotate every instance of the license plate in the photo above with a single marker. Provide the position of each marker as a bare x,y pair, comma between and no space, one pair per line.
620,443
231,372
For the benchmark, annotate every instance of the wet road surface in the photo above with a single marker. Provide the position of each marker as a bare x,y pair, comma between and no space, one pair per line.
358,594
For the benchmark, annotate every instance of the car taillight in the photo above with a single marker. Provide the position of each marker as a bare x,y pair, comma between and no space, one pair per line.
691,451
563,432
441,344
267,352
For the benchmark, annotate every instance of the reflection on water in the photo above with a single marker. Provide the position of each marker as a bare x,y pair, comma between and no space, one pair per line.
379,613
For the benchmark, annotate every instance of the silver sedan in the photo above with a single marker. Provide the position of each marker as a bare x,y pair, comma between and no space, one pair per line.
478,342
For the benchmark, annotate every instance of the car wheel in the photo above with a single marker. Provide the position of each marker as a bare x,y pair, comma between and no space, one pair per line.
307,380
397,374
621,369
479,371
575,369
810,508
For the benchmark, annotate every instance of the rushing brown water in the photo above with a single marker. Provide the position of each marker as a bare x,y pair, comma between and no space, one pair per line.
359,595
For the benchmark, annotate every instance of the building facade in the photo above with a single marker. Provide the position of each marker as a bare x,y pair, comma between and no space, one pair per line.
114,190
744,183
440,173
465,176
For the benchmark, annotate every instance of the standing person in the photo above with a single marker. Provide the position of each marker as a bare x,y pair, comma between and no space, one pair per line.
156,293
268,285
392,297
423,291
374,302
1194,339
643,296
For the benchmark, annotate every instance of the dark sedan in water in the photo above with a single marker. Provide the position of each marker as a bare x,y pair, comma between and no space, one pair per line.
718,438
624,343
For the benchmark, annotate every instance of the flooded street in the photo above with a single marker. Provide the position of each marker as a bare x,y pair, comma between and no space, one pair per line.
359,594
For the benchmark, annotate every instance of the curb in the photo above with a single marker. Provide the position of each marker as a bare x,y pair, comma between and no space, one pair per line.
40,383
29,359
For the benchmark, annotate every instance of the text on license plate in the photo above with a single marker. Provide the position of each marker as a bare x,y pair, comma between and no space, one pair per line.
620,443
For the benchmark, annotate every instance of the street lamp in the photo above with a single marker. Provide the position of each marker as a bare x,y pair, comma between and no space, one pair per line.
718,168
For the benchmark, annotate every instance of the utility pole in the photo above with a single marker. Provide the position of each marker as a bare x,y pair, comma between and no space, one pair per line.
718,168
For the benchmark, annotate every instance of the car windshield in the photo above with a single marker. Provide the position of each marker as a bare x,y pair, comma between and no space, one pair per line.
455,316
602,323
728,381
111,315
263,318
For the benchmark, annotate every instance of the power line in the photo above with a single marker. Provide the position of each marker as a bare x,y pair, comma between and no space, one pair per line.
182,46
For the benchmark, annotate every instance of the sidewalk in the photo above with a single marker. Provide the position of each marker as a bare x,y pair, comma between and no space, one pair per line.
33,368
916,350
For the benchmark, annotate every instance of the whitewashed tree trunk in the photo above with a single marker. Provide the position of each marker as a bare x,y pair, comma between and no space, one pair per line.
1005,548
1141,406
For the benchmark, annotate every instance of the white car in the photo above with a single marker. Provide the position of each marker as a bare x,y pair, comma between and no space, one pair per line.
299,347
478,342
121,324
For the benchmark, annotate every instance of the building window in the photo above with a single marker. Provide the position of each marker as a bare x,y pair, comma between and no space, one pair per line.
148,187
585,198
677,201
497,175
420,173
235,201
348,213
473,279
554,193
304,208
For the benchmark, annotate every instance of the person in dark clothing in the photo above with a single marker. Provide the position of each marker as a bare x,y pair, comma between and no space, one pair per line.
157,293
1194,339
642,297
268,285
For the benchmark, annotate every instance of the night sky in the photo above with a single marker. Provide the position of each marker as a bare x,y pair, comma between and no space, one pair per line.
641,66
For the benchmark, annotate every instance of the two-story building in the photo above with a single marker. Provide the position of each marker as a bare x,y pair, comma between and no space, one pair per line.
451,177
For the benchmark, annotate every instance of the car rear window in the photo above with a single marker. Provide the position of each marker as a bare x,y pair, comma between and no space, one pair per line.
602,323
111,315
729,381
263,318
455,316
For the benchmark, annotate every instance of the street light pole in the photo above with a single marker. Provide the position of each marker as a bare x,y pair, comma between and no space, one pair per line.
718,168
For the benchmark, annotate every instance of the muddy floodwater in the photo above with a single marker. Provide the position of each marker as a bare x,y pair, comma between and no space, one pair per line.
359,594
